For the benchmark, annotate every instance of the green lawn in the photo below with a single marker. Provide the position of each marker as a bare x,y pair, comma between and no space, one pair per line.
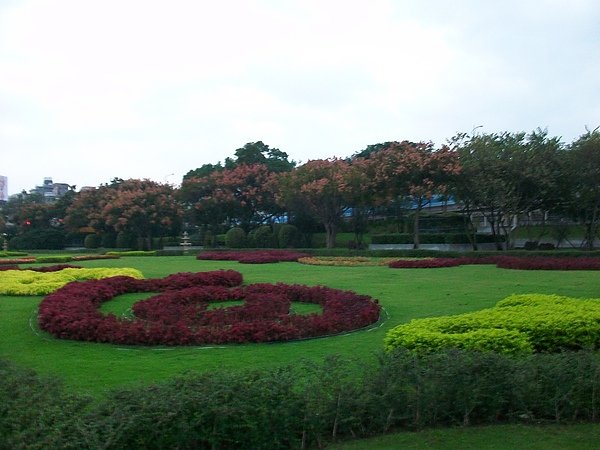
497,437
404,294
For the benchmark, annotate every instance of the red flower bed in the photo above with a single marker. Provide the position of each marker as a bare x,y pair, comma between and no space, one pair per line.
180,314
549,263
253,257
54,268
504,262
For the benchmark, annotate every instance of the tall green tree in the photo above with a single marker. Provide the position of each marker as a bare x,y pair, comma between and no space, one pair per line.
507,175
583,165
260,153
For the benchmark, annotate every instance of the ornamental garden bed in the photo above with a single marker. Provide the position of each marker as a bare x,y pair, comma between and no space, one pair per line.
30,282
180,313
253,256
504,262
346,261
519,324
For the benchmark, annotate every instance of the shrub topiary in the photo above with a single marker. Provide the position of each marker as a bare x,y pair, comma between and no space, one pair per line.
91,241
108,240
288,236
263,237
124,240
235,238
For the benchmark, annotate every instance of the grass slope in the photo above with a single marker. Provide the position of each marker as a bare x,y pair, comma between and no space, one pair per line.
405,294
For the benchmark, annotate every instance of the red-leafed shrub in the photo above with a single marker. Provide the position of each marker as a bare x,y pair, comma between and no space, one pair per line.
54,268
504,262
180,314
253,257
548,263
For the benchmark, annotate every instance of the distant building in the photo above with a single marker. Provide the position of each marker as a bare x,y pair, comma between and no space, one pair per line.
3,188
51,191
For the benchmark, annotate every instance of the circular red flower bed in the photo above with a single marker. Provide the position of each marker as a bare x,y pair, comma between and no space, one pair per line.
180,314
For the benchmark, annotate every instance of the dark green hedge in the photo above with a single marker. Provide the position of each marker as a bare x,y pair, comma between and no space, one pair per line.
43,239
302,406
430,238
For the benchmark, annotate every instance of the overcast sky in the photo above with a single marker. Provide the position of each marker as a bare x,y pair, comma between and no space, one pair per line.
92,90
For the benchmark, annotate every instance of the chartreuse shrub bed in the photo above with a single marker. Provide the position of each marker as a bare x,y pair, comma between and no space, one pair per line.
180,314
29,282
516,325
347,261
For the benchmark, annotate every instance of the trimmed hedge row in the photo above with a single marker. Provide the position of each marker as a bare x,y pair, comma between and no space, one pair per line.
306,405
518,324
132,253
29,282
180,315
430,238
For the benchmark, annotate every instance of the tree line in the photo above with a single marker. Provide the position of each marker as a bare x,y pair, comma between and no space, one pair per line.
498,176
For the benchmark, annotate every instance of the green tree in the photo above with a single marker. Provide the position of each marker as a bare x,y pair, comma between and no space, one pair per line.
506,175
260,153
583,165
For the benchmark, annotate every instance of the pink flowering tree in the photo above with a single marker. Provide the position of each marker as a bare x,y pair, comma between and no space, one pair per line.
413,170
324,187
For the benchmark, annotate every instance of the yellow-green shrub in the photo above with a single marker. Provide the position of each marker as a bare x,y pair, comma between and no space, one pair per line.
519,323
28,282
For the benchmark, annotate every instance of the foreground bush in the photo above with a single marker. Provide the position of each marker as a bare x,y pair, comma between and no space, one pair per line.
303,406
29,282
517,324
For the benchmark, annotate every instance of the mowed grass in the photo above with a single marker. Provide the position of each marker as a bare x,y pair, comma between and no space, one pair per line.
405,294
496,437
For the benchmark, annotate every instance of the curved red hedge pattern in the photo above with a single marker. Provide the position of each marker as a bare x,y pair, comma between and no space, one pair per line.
253,257
54,268
179,315
504,262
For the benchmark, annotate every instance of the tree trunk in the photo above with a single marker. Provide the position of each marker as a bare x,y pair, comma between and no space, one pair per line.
416,240
330,234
